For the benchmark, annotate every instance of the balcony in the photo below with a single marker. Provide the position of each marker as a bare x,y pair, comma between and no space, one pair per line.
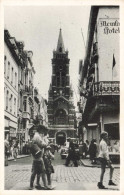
26,115
61,126
106,88
28,90
90,78
94,58
92,69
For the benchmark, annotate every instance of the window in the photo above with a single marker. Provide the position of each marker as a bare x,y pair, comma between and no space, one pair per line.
113,130
14,106
58,81
63,81
15,79
11,99
60,49
22,76
25,105
5,59
7,99
12,76
31,113
8,70
67,81
21,101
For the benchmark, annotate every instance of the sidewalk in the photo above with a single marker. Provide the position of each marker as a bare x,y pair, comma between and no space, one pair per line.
19,156
66,186
87,163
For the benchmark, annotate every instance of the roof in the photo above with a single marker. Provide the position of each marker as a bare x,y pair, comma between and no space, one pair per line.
61,97
60,44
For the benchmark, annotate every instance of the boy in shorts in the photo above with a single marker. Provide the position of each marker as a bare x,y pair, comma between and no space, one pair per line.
104,159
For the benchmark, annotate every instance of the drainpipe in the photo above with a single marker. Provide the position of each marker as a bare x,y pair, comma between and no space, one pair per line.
101,122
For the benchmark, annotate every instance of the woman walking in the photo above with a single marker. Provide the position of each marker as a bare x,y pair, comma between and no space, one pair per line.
48,156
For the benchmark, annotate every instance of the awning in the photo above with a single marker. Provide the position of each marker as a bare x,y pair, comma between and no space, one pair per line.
92,124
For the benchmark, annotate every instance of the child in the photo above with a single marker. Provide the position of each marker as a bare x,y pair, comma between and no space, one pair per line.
104,159
37,167
48,164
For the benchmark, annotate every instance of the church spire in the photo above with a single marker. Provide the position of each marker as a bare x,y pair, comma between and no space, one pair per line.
60,45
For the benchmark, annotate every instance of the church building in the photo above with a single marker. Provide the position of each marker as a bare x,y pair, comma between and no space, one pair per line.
61,110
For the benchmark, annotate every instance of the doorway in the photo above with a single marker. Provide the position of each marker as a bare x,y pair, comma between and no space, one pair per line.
60,138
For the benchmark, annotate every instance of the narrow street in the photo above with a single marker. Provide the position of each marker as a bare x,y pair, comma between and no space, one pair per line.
61,75
17,176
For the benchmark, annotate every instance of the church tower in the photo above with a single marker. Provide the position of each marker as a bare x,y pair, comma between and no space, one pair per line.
61,111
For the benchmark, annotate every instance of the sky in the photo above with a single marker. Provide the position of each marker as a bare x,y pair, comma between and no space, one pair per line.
38,27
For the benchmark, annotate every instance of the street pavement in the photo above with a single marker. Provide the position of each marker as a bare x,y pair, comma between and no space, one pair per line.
17,176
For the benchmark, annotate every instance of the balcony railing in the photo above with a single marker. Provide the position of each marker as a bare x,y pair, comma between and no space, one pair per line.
106,88
61,126
28,89
26,115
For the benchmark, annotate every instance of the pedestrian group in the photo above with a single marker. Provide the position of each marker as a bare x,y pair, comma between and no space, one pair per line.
43,153
42,165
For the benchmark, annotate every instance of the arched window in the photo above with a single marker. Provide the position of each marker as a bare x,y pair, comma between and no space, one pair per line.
61,117
25,105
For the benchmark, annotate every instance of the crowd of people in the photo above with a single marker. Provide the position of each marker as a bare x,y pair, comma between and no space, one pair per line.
96,152
43,150
78,150
11,150
90,150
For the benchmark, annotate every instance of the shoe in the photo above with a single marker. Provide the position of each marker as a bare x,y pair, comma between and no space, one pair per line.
49,186
111,183
38,186
100,185
45,188
31,188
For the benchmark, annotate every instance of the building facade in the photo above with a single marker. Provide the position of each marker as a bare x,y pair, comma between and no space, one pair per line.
23,106
61,111
18,88
43,111
99,75
10,87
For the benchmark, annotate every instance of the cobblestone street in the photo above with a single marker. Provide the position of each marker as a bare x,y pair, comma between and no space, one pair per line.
17,176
